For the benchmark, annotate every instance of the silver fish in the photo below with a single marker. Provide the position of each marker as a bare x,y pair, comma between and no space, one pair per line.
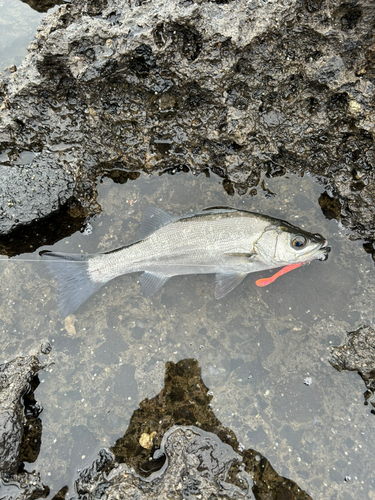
227,242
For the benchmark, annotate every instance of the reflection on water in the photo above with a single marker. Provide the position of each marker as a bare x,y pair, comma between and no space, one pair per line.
256,346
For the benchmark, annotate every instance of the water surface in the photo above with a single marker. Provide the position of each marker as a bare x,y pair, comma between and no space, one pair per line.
18,24
256,346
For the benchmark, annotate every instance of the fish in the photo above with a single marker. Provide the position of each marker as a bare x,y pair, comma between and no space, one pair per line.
227,242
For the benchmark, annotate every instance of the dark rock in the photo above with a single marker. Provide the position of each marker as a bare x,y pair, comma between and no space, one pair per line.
45,347
358,354
37,202
23,486
196,463
32,191
185,450
11,436
61,494
20,428
235,87
47,231
44,5
87,477
331,207
15,378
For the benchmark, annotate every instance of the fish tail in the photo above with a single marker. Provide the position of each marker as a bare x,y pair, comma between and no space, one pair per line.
73,279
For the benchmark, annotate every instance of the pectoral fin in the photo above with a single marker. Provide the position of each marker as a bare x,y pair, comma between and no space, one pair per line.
248,256
151,282
226,282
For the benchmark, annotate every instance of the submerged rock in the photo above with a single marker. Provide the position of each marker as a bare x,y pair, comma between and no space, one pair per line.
20,429
244,89
358,354
192,452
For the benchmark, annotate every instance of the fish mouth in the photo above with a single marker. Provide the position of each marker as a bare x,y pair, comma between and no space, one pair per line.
325,251
320,253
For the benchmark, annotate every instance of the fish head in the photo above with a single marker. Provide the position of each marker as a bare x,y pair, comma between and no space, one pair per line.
282,244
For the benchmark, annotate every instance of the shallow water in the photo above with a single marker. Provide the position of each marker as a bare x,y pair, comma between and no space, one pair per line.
256,346
18,23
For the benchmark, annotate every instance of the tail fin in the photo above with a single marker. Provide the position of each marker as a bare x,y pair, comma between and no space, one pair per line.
71,274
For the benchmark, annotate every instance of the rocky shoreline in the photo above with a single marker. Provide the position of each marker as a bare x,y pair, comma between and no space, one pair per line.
247,90
242,89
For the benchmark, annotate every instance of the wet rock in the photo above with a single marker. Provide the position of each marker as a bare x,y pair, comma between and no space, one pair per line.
67,220
358,354
44,5
20,428
191,453
38,204
196,464
330,206
244,89
32,191
91,476
15,378
23,486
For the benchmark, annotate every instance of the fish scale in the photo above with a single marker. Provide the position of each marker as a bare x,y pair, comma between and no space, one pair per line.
184,248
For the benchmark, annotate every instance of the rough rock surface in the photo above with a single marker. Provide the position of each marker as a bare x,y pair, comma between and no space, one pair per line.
243,88
197,464
358,354
20,429
32,191
14,379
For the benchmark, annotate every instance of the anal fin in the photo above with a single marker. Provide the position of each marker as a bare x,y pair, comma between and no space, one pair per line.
226,282
151,282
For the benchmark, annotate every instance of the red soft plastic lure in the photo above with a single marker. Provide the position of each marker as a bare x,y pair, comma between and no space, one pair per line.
284,270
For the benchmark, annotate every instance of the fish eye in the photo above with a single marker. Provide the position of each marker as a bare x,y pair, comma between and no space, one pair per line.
299,242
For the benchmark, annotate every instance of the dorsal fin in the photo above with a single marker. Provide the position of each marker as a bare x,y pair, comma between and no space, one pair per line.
153,219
